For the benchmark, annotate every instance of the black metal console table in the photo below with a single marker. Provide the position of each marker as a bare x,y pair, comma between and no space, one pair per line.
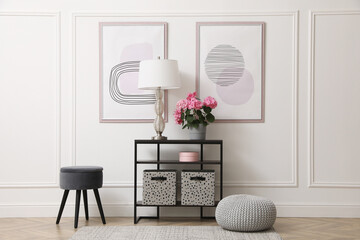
159,162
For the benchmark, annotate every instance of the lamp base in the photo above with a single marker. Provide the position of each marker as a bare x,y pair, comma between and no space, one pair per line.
159,138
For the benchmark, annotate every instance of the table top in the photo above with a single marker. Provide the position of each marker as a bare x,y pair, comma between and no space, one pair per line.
178,141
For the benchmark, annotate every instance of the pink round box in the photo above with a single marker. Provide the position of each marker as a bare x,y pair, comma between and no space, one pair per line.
188,156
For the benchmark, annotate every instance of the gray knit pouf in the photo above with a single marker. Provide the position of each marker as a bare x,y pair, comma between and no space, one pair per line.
245,213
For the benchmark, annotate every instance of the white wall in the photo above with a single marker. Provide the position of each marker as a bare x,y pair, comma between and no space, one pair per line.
304,157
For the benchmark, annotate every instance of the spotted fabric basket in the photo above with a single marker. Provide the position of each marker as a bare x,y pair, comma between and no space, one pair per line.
159,187
198,187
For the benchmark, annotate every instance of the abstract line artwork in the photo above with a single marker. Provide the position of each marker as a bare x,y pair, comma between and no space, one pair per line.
122,47
230,66
127,99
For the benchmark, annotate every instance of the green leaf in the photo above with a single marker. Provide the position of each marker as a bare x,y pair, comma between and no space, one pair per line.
201,120
210,118
184,126
207,109
190,118
182,115
205,123
196,124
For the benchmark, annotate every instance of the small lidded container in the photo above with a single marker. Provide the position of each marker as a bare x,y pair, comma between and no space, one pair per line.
188,156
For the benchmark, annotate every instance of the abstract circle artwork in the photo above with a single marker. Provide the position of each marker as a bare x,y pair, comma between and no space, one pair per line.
230,65
225,66
238,93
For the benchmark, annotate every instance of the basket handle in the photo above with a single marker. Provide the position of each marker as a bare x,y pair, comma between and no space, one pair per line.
198,178
158,178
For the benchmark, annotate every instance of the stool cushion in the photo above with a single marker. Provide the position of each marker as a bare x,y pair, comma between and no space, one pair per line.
81,177
245,213
81,169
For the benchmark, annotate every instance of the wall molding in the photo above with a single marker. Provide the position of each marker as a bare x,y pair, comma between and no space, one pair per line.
311,160
295,33
226,184
142,14
57,78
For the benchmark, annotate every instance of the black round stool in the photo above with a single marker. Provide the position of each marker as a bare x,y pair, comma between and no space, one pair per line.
81,178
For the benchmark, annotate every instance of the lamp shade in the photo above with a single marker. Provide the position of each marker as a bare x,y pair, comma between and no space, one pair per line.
163,73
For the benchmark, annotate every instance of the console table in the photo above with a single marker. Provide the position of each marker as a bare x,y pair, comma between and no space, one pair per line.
158,162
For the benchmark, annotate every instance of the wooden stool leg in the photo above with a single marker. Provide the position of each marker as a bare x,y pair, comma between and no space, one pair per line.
97,196
86,204
65,195
77,206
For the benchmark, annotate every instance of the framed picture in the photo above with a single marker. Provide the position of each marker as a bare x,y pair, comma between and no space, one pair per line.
230,68
122,46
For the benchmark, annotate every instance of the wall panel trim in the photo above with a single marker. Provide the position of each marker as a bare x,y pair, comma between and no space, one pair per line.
311,160
295,33
57,78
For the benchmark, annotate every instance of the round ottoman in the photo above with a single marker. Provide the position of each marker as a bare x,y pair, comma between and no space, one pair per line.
81,178
245,213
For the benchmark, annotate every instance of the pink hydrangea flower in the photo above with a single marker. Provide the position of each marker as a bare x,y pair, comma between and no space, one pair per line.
210,102
198,104
181,104
191,96
178,121
177,116
191,104
194,104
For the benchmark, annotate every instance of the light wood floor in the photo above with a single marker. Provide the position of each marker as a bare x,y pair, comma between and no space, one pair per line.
288,228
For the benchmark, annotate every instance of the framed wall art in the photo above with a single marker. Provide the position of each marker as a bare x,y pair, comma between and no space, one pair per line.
122,46
230,67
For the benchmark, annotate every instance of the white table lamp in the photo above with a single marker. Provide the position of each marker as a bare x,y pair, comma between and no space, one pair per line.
159,75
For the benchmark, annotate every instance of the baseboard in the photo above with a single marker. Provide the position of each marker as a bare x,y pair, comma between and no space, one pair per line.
318,210
126,210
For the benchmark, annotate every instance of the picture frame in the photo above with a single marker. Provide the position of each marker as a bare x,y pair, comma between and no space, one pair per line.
230,67
122,45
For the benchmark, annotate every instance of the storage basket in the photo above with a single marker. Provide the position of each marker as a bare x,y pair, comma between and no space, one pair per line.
198,187
159,187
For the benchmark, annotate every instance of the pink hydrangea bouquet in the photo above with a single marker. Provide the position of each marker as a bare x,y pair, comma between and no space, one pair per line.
191,112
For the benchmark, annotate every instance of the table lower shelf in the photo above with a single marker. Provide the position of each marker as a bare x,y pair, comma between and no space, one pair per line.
178,204
137,219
